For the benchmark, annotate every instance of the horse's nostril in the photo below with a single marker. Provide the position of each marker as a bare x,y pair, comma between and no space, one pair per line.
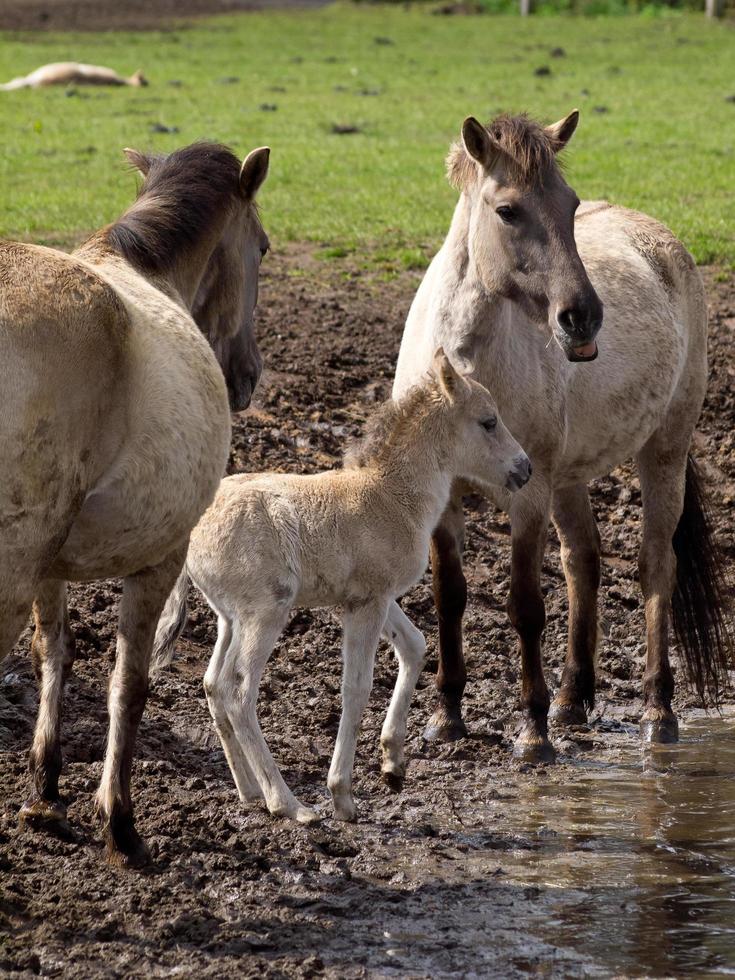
571,320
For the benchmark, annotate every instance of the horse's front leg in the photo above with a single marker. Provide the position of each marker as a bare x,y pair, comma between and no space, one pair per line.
410,648
529,525
450,597
362,628
580,555
52,650
143,599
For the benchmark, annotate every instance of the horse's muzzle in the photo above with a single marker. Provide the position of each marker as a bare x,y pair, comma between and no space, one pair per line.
520,474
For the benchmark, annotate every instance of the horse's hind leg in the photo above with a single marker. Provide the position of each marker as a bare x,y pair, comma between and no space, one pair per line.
245,781
235,683
450,598
662,471
580,555
410,647
53,651
143,599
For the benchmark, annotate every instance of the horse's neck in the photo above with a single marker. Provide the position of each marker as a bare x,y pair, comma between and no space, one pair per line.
418,485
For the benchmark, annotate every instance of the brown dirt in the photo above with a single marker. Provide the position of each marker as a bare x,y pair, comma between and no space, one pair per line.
137,15
233,892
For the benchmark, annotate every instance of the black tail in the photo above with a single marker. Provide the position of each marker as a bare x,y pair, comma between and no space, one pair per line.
702,597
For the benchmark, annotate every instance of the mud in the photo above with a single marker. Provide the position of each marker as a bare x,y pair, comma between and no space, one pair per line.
481,867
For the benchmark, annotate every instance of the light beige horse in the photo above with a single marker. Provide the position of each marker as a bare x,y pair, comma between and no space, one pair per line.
115,430
517,272
72,73
356,538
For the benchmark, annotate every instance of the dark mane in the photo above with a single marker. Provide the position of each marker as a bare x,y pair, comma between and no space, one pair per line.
527,145
387,427
182,195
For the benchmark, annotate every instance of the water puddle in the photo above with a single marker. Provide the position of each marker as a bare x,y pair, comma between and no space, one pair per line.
621,863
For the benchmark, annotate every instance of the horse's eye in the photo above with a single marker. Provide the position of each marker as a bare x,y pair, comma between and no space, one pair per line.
506,214
489,423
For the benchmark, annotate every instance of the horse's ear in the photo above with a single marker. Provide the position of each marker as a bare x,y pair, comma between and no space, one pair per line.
446,375
254,170
561,132
139,160
477,141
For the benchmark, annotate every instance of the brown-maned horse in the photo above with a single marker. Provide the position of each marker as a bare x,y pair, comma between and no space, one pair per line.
115,430
516,270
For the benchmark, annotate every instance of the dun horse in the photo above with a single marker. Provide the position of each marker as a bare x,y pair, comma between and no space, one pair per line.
517,270
356,538
72,73
115,430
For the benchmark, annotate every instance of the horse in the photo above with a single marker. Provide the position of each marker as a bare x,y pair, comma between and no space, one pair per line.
357,538
515,295
73,73
115,431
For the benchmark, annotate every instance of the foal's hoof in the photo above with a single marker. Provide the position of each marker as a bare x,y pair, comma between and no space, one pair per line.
50,815
393,779
663,730
534,749
567,715
445,726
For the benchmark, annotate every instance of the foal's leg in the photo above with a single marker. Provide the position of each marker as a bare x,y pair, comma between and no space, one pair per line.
410,647
53,651
247,785
362,628
450,598
143,599
529,524
580,555
662,471
236,684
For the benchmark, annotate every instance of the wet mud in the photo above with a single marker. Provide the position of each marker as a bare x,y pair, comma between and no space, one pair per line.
613,863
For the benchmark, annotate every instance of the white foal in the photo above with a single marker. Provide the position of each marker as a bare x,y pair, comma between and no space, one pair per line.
356,538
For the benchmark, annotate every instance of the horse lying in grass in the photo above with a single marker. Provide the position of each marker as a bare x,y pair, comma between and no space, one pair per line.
73,73
356,538
517,271
115,430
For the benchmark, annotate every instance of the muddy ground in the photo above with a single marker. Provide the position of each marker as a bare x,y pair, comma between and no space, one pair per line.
233,892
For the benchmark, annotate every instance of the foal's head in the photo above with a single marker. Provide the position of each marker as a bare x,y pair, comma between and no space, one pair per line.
482,450
521,232
196,223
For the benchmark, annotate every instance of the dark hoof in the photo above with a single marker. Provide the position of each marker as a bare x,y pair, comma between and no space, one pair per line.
567,715
393,780
660,731
445,727
49,815
537,751
135,857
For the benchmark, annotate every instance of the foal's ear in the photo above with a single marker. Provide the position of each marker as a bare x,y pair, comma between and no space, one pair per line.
139,160
477,141
561,132
254,170
445,374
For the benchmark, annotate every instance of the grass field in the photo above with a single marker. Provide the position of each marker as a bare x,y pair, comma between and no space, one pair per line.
657,131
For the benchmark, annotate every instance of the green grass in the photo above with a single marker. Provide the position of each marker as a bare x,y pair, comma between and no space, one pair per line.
664,143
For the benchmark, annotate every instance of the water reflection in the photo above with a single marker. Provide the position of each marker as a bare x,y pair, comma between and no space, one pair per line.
641,848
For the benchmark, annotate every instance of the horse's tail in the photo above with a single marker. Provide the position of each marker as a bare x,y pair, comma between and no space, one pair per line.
702,596
171,623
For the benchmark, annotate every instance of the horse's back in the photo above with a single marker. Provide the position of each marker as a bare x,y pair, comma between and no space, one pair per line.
63,340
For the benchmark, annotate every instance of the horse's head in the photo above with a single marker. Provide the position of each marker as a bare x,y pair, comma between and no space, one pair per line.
224,306
521,224
196,221
483,450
